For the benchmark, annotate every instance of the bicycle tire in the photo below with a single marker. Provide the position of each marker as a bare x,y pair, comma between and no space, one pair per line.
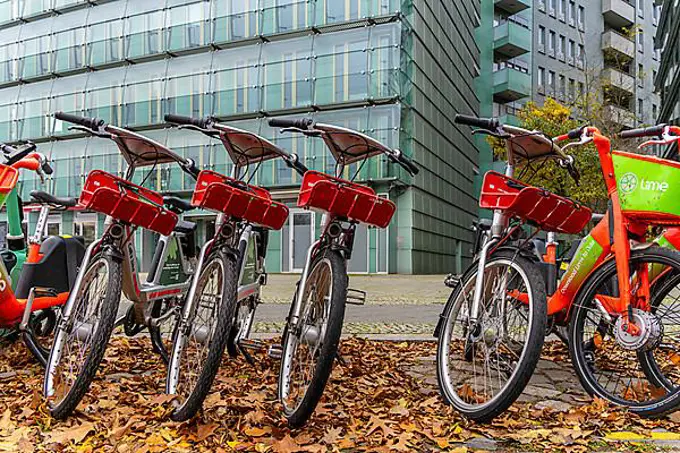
224,317
101,338
653,409
300,414
531,352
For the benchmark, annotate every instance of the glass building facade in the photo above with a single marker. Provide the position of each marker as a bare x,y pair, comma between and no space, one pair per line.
353,63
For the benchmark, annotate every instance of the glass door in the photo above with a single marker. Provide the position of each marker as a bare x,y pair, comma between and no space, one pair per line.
300,236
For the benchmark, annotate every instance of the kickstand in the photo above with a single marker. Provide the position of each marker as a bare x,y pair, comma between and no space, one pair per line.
341,360
248,356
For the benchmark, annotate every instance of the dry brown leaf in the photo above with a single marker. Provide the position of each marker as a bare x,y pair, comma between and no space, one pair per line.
285,445
74,434
331,436
255,431
205,431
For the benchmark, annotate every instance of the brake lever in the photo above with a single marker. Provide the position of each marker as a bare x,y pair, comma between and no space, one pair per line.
502,136
89,131
306,132
665,139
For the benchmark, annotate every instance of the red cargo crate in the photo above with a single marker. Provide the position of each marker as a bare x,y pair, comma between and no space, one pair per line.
548,211
344,199
8,178
250,203
127,202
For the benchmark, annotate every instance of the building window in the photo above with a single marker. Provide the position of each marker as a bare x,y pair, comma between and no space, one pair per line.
551,81
641,75
572,13
563,10
581,88
580,16
641,106
541,78
551,43
551,7
655,112
563,47
641,41
641,8
541,39
572,89
563,86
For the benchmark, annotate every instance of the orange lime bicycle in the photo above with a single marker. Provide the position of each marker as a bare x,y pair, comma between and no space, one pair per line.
492,329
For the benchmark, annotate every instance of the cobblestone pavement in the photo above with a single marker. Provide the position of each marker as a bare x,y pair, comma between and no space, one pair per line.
553,385
393,289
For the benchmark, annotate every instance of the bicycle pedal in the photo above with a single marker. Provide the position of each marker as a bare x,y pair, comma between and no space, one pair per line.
275,351
452,280
252,345
356,297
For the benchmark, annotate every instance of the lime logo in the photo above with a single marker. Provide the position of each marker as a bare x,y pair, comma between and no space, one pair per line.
628,183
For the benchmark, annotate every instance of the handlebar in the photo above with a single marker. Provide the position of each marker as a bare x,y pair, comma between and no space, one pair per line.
293,162
301,123
7,149
407,163
187,120
483,123
90,123
654,131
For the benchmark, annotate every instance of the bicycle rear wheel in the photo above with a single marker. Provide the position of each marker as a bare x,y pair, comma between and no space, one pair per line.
482,368
82,336
606,357
199,342
310,347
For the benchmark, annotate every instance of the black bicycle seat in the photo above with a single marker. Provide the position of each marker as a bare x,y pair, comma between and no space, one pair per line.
38,196
176,203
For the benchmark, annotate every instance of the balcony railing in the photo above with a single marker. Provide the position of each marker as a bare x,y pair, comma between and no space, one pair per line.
621,45
510,85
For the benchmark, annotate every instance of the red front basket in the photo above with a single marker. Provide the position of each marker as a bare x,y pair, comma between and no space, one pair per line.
8,178
127,202
251,203
548,211
344,199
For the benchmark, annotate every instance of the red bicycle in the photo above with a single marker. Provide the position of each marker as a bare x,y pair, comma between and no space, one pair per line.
47,275
312,333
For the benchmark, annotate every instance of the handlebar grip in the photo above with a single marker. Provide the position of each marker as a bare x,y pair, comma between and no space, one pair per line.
300,123
483,123
91,123
190,167
179,119
47,168
408,164
654,131
575,134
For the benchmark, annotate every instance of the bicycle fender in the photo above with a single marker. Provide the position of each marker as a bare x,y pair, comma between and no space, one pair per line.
114,253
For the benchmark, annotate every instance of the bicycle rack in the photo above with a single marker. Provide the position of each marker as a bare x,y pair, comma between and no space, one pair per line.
356,297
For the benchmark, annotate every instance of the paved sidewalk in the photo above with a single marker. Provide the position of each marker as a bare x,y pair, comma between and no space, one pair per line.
392,289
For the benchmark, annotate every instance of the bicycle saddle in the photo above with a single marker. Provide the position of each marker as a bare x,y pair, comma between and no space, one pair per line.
178,204
39,196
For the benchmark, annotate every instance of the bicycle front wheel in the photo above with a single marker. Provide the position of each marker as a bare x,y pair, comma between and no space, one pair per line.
484,365
607,356
199,341
310,346
82,336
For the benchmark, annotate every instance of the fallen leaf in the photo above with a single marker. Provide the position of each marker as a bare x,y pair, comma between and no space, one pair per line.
331,436
74,434
285,445
205,431
255,431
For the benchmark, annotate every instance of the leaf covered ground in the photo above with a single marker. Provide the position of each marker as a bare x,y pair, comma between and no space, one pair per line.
372,403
